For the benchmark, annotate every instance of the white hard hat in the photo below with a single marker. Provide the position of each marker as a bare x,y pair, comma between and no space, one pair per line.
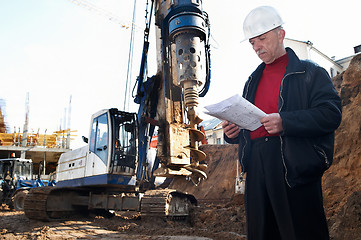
261,20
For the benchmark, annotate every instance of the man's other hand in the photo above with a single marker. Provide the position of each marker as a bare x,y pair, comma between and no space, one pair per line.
231,130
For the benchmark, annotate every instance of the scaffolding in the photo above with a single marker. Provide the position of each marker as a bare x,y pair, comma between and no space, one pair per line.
57,139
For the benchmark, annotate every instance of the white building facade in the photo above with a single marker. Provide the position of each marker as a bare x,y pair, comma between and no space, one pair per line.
306,50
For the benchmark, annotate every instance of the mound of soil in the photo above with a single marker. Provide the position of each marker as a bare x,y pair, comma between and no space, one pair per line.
221,172
342,184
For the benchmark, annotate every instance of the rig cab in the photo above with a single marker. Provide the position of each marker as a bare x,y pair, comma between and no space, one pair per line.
111,157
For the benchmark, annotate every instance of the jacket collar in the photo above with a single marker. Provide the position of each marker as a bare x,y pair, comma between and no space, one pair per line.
294,63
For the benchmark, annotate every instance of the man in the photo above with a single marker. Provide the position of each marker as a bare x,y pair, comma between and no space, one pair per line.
286,157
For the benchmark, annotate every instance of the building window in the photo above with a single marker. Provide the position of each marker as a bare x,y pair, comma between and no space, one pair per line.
219,141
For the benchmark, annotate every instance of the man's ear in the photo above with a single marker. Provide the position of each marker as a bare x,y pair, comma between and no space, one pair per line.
281,34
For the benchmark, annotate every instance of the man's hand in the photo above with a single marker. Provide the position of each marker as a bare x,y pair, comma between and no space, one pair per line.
231,130
272,123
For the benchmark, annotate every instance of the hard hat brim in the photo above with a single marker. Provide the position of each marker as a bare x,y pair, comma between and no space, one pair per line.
257,35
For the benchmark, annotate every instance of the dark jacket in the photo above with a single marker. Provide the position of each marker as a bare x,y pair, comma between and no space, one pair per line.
310,109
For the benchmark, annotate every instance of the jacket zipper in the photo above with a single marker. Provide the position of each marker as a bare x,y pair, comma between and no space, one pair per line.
244,137
279,110
243,149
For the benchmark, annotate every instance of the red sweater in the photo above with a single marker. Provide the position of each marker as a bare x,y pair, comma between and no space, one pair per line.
268,91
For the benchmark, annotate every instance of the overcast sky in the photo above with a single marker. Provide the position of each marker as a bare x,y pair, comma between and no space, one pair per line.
57,48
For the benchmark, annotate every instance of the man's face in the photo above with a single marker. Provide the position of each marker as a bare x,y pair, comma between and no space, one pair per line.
269,46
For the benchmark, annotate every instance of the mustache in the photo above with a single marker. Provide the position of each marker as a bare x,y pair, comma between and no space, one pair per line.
261,51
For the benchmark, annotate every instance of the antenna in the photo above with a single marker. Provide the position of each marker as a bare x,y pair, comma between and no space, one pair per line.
68,125
26,124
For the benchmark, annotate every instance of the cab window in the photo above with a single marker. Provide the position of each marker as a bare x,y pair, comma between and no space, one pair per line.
99,137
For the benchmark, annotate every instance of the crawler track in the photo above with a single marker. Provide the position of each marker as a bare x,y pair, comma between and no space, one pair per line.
50,203
35,205
166,203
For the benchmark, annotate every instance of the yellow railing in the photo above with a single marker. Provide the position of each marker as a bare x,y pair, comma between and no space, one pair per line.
56,140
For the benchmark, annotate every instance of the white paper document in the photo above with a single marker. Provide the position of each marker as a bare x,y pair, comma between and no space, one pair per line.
238,110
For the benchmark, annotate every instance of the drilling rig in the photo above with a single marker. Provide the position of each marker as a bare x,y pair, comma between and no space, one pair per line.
113,171
183,67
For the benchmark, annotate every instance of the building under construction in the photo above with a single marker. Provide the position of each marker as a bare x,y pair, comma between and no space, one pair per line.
42,148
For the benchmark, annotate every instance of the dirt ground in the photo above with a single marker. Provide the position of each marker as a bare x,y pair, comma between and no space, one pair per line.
220,213
208,221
